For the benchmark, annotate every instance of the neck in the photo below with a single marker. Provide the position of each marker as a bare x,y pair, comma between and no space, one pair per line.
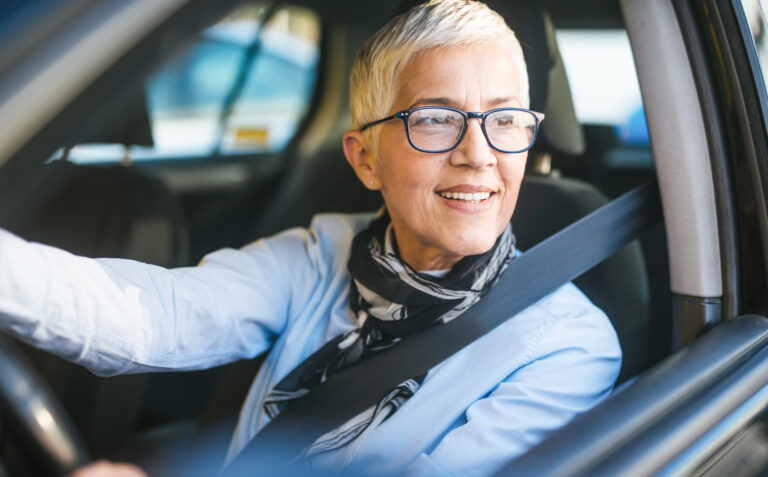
422,257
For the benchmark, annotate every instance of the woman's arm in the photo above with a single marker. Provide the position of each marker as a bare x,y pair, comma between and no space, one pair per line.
119,316
574,368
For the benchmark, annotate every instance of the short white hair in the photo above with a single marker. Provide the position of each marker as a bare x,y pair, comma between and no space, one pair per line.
434,24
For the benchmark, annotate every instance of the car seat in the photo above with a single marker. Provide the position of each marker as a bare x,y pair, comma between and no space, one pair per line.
98,211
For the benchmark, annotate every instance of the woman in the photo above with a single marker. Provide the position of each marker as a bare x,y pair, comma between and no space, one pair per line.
352,285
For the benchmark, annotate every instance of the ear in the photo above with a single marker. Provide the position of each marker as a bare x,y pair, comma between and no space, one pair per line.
360,156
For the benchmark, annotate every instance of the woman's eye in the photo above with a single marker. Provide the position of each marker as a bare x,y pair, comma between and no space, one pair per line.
503,121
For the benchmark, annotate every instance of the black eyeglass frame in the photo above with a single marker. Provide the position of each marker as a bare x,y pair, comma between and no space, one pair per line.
404,115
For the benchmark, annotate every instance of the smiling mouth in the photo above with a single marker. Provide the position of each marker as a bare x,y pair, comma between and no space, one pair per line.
470,197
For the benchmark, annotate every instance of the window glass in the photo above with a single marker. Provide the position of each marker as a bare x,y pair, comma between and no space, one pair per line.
241,87
756,15
604,95
270,108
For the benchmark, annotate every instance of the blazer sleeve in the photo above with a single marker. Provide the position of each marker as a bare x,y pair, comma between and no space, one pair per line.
574,367
121,316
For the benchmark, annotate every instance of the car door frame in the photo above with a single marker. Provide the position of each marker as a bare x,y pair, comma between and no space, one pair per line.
686,412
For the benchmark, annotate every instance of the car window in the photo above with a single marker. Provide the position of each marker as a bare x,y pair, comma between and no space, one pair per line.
755,13
607,97
242,87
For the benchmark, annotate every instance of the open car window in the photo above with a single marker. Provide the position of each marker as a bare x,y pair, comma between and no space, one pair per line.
607,98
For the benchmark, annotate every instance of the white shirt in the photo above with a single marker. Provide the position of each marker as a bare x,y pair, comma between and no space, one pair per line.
474,412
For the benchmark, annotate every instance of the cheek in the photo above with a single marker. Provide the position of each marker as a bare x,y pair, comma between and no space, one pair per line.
512,171
410,173
398,180
396,166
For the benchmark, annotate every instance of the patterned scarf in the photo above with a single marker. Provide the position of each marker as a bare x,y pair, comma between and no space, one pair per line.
390,300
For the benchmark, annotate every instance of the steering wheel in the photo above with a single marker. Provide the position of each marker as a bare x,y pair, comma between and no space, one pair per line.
31,408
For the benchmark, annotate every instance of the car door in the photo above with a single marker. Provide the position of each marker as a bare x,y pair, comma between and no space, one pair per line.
702,410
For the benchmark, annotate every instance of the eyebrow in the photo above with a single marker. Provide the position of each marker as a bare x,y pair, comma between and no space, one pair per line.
441,101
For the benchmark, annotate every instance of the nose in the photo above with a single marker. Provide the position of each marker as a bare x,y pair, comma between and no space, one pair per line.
473,150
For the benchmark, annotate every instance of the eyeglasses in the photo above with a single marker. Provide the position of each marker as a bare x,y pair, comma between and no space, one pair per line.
441,129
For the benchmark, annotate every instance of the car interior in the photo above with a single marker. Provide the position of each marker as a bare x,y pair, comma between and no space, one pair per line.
171,210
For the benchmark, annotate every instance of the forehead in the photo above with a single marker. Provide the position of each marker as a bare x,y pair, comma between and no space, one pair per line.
473,75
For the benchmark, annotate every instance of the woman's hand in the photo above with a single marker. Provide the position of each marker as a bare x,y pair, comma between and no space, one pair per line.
103,468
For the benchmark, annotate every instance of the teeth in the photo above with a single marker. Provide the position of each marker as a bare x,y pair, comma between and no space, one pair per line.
468,197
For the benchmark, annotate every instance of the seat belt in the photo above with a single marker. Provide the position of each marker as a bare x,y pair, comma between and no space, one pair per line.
529,277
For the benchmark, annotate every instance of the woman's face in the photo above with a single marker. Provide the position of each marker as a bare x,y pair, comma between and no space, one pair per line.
434,232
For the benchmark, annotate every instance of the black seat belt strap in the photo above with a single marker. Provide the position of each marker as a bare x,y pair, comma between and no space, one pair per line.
528,278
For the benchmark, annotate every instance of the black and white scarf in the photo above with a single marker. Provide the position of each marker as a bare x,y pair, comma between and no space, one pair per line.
390,300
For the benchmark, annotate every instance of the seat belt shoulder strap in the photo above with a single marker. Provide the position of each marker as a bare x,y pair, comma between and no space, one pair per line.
528,278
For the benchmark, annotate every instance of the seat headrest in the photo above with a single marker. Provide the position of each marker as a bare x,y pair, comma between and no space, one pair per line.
549,89
123,120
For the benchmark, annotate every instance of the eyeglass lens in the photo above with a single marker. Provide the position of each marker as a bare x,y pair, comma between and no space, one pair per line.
437,129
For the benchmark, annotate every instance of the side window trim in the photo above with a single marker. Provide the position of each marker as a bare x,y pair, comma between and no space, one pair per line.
679,143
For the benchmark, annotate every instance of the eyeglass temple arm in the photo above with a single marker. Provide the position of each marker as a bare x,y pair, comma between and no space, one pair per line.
373,123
